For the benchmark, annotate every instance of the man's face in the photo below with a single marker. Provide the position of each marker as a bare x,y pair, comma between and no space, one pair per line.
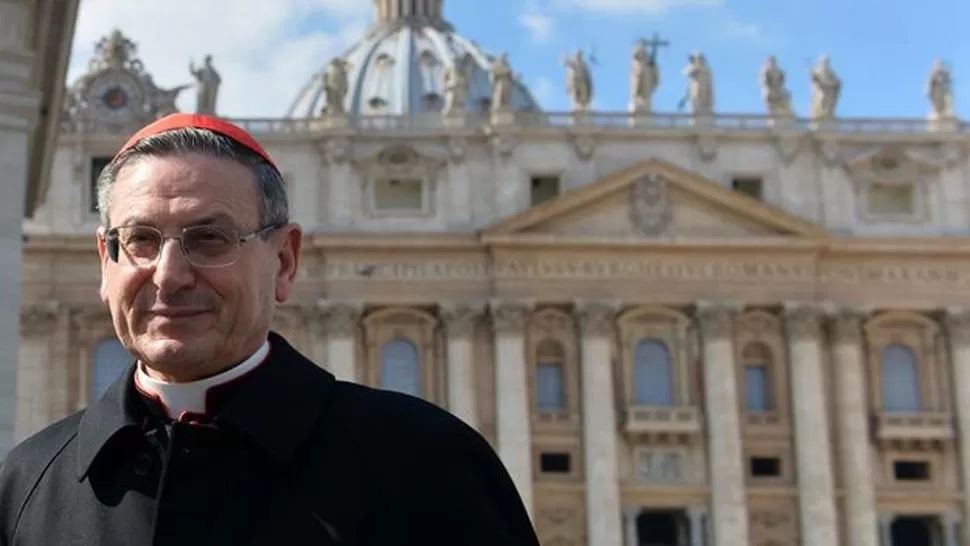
187,322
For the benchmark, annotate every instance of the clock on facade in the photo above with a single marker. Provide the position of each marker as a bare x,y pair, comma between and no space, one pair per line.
115,96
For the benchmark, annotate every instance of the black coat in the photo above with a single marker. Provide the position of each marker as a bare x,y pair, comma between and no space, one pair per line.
290,457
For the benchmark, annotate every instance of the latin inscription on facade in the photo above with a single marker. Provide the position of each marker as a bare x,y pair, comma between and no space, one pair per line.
653,269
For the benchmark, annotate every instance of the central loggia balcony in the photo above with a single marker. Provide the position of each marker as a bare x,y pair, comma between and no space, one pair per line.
678,424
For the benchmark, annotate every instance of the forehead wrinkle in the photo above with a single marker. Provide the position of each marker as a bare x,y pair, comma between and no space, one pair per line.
186,188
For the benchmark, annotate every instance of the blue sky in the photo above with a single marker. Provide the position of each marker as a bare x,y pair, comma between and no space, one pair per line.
882,49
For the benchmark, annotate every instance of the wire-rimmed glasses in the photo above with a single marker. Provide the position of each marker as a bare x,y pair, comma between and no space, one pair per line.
202,246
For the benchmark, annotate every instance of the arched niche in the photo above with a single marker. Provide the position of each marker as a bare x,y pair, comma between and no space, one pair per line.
551,345
645,335
388,336
904,350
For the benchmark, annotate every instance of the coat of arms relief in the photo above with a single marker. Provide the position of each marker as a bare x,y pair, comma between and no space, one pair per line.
650,205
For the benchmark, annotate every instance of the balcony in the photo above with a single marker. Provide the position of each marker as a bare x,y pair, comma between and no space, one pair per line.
665,424
913,430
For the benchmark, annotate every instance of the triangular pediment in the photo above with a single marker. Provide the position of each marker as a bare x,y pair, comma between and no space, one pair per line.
657,199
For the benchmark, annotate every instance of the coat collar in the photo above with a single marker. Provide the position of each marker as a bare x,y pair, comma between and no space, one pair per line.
276,406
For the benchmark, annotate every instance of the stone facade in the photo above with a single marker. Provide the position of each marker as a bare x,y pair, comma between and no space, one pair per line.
705,334
35,37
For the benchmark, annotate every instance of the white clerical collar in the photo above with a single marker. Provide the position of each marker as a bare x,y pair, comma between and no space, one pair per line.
179,399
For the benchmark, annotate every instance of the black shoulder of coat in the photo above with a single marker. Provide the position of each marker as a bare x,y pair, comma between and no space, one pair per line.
25,465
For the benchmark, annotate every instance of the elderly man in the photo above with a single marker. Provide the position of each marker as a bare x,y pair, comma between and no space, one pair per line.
221,433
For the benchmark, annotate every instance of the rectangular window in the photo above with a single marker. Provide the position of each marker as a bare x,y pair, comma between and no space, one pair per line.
543,188
554,463
756,389
398,195
891,199
911,471
97,165
748,185
765,467
550,393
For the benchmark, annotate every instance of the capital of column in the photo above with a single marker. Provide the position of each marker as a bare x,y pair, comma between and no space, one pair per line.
595,317
958,324
803,320
845,324
508,317
460,318
38,319
339,317
717,318
289,317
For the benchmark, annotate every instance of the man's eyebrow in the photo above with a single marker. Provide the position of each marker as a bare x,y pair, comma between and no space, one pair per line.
218,218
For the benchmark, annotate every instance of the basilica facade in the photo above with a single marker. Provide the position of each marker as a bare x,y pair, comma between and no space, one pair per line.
702,329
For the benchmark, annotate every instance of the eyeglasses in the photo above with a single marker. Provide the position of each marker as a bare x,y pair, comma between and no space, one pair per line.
202,246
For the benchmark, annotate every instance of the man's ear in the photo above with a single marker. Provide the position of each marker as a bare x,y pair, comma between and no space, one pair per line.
103,259
288,255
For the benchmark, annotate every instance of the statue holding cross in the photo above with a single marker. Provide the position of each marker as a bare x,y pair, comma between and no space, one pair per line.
644,76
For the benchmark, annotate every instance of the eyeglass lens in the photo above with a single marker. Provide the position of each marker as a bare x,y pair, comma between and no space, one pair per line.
202,245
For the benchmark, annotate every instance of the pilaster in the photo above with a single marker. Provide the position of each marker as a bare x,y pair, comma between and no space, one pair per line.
728,493
596,320
816,489
460,320
958,332
341,321
514,429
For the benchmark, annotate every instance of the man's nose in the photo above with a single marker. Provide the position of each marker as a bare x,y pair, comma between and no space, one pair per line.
172,269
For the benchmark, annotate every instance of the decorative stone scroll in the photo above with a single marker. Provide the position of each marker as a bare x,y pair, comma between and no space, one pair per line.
596,317
802,320
717,318
38,319
340,318
508,317
461,318
958,325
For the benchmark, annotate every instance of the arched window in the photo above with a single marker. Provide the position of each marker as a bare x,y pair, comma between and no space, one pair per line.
111,359
550,377
900,379
653,379
756,359
400,367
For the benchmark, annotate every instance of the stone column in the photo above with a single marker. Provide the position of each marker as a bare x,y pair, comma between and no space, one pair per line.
33,408
599,424
950,524
19,108
816,491
853,430
341,322
958,332
514,432
886,528
696,516
630,534
728,494
460,320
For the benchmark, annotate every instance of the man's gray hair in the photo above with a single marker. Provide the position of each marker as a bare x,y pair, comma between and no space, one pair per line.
273,207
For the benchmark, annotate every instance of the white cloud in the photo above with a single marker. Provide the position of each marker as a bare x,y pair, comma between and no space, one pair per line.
256,48
539,25
624,7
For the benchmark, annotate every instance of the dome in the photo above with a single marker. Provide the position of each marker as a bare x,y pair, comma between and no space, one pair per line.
398,68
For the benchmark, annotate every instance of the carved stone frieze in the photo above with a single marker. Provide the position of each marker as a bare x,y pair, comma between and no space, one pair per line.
596,318
340,318
508,317
802,320
716,319
38,319
461,318
958,325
